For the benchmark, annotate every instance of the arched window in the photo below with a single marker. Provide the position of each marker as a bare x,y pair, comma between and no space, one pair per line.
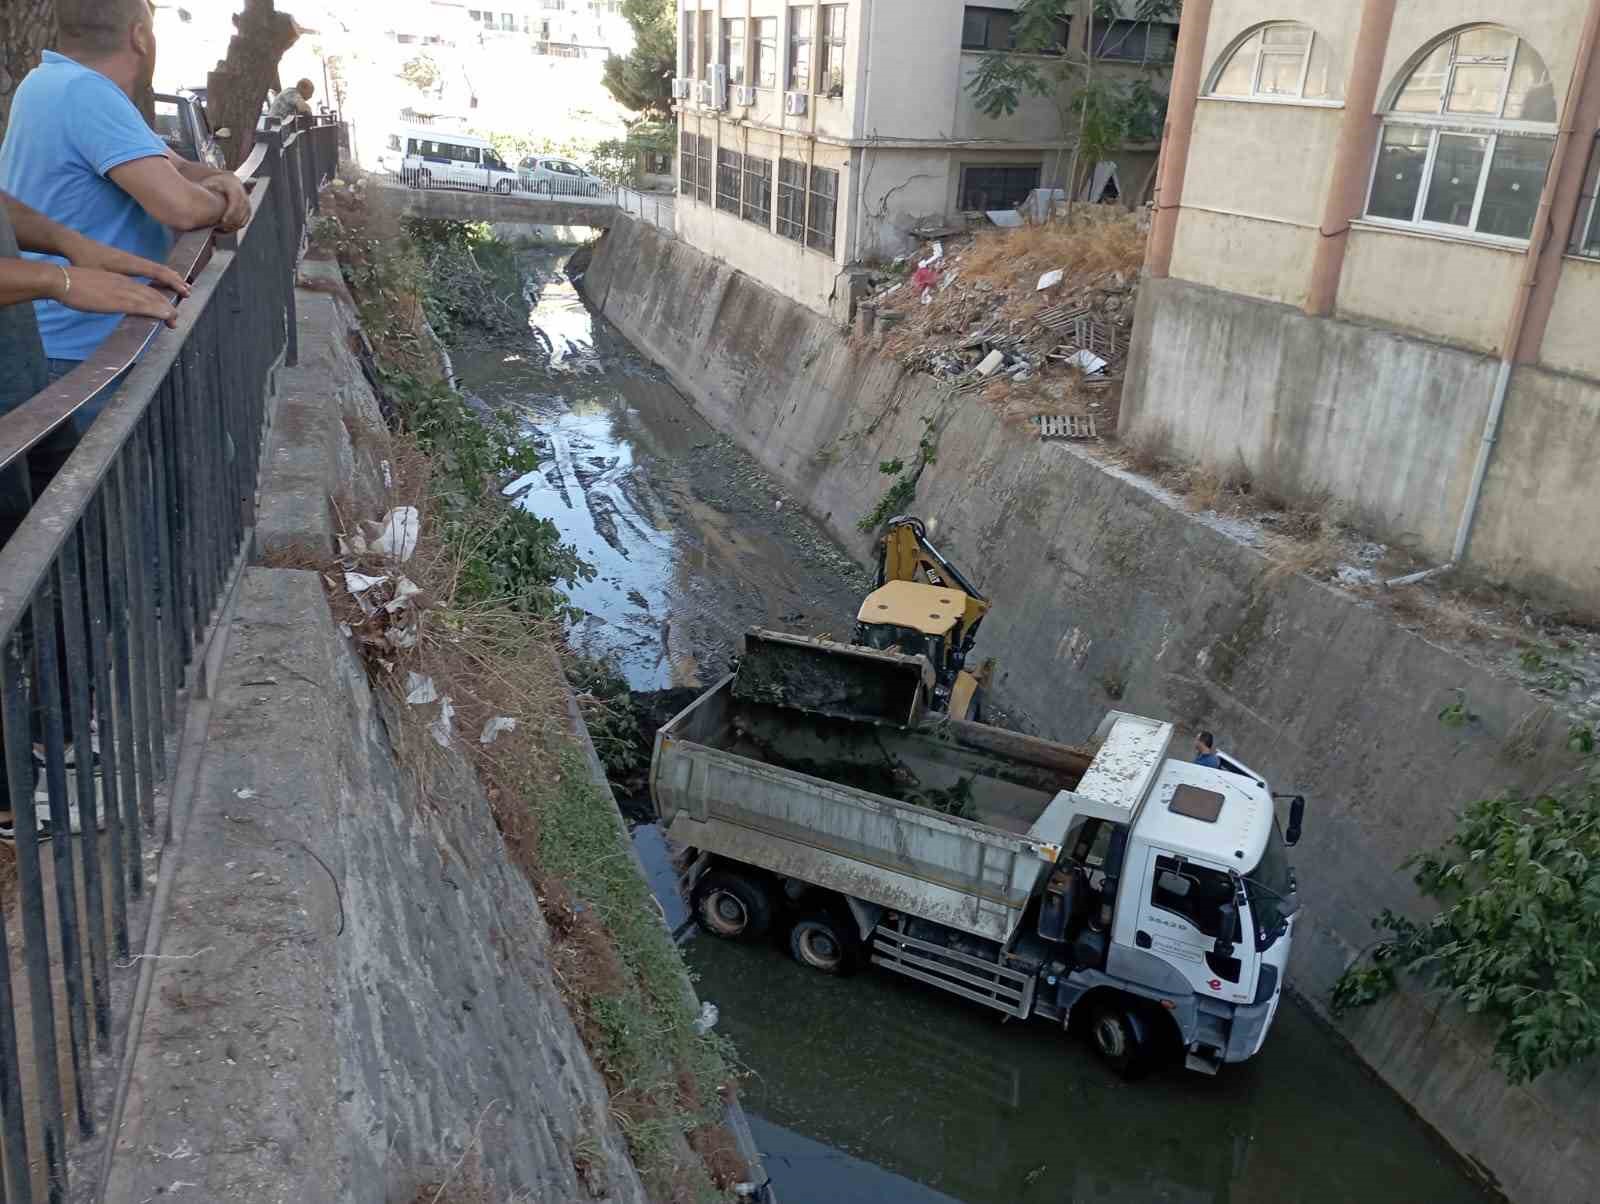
1282,61
1467,136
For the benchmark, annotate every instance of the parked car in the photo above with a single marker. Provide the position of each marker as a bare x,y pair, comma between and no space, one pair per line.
558,177
181,122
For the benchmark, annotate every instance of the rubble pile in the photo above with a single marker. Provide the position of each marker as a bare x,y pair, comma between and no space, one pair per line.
1035,318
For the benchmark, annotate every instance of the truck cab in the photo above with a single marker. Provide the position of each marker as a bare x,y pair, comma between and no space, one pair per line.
1189,896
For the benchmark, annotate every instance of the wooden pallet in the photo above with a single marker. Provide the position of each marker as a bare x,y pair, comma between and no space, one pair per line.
1066,426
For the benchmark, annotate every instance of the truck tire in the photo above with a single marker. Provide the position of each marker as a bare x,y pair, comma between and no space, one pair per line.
732,906
1121,1038
821,943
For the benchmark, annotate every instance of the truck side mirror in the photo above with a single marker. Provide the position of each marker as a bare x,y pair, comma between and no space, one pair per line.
1228,914
1297,817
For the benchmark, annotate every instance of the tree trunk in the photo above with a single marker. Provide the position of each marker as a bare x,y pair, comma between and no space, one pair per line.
26,28
239,83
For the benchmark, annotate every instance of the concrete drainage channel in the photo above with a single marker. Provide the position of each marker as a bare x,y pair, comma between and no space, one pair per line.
695,541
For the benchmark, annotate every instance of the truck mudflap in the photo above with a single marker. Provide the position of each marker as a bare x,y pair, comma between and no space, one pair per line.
986,982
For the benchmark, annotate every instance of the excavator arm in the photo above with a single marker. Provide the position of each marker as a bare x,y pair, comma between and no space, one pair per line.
905,551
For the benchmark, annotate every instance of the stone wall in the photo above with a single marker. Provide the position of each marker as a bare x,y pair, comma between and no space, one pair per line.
1106,594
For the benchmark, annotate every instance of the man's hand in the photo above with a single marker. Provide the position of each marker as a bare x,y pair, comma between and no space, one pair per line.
226,185
86,253
100,292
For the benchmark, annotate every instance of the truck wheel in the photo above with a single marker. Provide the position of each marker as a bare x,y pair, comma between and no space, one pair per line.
1120,1038
732,906
820,943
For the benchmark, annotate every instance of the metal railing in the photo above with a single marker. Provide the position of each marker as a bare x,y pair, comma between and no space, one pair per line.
109,590
656,209
587,190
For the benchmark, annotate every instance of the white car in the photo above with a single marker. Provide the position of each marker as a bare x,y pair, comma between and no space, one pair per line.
557,177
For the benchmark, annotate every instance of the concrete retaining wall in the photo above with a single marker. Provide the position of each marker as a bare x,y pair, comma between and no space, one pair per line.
1106,594
1384,423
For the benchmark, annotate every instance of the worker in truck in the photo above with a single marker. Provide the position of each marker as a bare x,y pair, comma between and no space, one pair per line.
1205,751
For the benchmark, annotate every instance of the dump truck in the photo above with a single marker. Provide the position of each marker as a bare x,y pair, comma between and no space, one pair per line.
1115,890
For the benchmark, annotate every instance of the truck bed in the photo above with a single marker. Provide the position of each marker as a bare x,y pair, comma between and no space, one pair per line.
865,809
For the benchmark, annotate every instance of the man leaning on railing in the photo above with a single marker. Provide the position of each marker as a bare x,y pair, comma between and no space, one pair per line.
102,280
78,151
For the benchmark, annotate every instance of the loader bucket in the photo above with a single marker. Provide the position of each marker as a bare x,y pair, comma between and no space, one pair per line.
840,681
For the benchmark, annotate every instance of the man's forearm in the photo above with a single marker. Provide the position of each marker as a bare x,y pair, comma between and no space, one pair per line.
27,280
195,173
36,232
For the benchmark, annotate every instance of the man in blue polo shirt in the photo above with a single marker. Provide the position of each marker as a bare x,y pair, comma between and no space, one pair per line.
78,151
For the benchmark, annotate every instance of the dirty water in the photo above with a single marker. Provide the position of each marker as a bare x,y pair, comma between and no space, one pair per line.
870,1088
691,543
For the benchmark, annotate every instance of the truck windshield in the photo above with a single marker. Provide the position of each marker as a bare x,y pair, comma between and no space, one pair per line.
1268,887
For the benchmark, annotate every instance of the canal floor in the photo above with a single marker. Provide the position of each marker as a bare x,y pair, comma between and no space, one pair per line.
870,1088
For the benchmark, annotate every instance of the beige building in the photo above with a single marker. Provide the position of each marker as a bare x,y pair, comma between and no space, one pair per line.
818,136
1375,270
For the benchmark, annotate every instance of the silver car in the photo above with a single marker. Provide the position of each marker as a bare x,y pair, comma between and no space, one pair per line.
557,177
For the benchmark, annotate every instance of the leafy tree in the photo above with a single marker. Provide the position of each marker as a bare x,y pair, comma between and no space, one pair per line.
26,28
1518,938
643,80
421,72
1101,115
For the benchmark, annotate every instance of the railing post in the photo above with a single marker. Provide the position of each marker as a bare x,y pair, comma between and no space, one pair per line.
276,167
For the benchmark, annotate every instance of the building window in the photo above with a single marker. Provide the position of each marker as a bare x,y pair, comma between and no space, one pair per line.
1467,138
1278,62
687,43
984,187
764,32
733,49
730,167
987,28
997,29
820,217
706,18
694,167
830,78
1136,41
757,191
791,200
799,48
1586,229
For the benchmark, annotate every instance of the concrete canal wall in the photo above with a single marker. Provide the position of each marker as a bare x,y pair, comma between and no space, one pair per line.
1106,594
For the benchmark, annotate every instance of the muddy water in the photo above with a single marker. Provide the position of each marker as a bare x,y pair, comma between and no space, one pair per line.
871,1089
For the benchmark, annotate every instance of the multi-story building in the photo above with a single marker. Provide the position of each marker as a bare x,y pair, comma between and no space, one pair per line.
1375,269
816,136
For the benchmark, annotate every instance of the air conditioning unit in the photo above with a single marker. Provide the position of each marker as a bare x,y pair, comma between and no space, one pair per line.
680,89
744,96
719,86
703,94
794,103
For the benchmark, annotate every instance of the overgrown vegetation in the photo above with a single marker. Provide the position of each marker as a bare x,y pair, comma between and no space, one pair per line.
484,630
903,488
1516,940
641,81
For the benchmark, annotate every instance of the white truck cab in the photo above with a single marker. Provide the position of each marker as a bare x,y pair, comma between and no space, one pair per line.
1190,862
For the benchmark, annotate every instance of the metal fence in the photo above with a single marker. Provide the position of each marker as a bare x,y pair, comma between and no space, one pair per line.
527,182
108,593
653,208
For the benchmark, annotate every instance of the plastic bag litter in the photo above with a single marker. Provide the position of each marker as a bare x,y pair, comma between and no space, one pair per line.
707,1019
493,728
360,583
420,689
404,590
440,728
400,529
1050,279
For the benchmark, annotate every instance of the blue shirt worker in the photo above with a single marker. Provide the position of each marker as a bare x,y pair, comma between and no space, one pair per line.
1205,751
78,151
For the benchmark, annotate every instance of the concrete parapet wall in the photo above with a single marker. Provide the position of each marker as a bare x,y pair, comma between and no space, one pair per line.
1106,594
466,206
1383,424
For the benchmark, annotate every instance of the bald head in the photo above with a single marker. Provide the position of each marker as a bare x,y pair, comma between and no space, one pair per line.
100,28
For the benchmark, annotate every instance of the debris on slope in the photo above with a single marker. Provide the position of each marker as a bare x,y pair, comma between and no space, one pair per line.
1035,319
